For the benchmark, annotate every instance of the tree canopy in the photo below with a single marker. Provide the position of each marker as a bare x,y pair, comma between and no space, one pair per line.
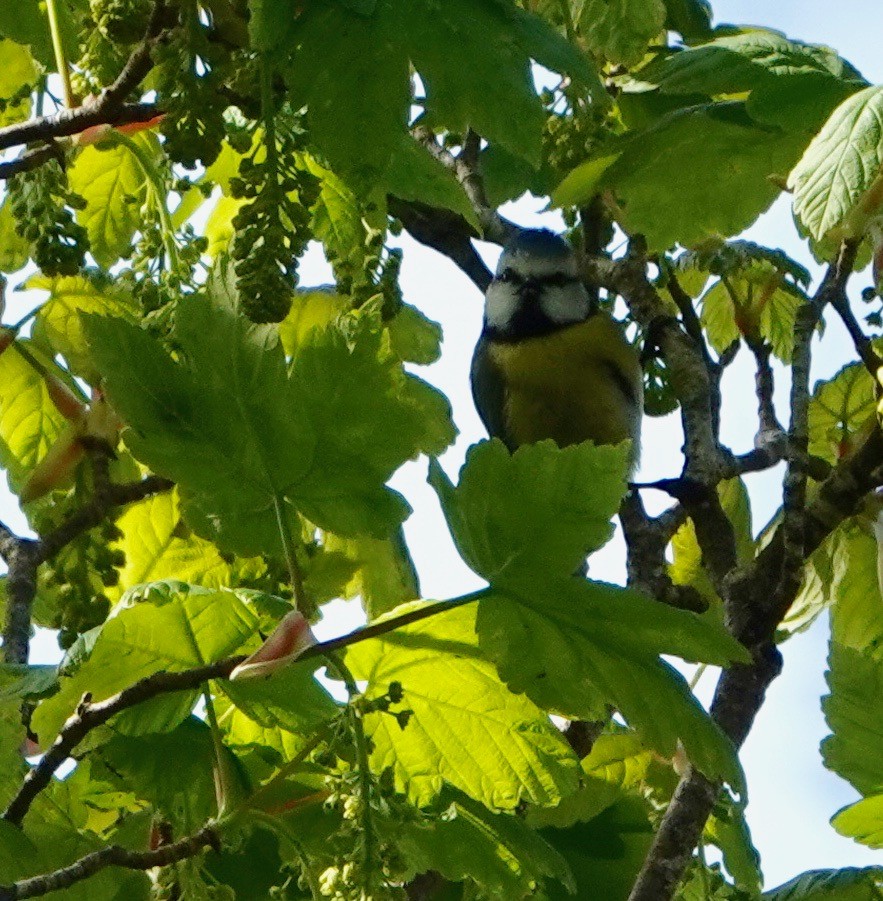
202,445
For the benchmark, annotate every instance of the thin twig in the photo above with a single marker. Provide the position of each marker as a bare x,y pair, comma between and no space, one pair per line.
112,856
494,227
445,231
108,108
89,715
757,598
863,345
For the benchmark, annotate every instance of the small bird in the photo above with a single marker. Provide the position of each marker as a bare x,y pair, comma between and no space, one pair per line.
550,363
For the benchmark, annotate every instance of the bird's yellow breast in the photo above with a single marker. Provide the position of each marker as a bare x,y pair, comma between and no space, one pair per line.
580,383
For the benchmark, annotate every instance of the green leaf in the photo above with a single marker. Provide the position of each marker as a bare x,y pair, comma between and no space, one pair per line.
743,61
415,337
604,854
289,699
162,626
728,829
29,421
847,884
17,69
496,850
383,573
691,18
617,764
551,49
567,643
465,727
756,302
621,30
159,546
143,765
243,436
58,320
474,61
413,174
718,317
722,197
12,763
863,821
14,249
834,178
840,409
357,99
856,620
687,567
854,713
19,856
539,507
800,102
112,182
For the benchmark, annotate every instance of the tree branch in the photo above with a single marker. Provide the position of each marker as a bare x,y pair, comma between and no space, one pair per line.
112,856
444,231
757,597
465,167
863,345
109,108
23,556
90,715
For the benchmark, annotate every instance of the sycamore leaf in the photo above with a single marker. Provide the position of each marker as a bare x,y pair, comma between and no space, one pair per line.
621,30
289,699
142,764
686,567
618,763
863,821
159,546
29,420
846,884
465,727
839,410
740,62
162,626
58,321
541,506
17,69
723,196
568,643
836,183
357,99
250,440
854,713
604,854
14,249
112,183
414,174
383,573
472,57
496,850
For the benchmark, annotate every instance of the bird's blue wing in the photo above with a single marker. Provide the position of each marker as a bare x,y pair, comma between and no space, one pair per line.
489,393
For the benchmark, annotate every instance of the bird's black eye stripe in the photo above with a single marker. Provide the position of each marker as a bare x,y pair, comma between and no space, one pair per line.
510,275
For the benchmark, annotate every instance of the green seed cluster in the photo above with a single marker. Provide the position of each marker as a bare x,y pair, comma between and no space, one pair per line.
272,229
121,21
42,206
76,578
190,73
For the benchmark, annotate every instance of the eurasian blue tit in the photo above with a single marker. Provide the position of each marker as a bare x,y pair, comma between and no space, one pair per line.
550,363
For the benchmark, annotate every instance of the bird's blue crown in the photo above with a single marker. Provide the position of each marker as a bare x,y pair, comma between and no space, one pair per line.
539,242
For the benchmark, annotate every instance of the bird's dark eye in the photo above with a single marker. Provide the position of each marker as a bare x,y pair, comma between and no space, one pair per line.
509,275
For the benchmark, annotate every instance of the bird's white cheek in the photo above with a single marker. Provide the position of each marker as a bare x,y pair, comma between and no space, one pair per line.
501,304
565,304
